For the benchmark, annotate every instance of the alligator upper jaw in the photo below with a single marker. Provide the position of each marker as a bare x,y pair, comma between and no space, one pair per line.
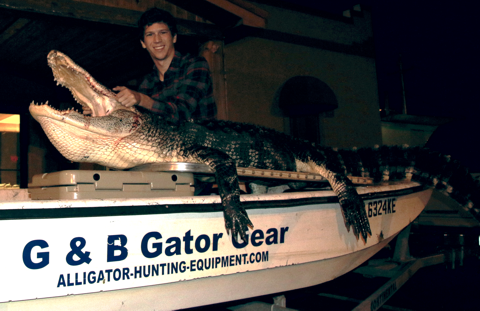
84,88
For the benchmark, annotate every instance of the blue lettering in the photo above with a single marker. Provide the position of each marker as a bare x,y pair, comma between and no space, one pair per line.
257,238
174,267
138,271
187,238
225,261
216,237
198,243
157,246
174,249
77,250
155,270
273,237
27,255
68,280
282,234
108,274
126,272
91,277
145,274
111,248
76,280
210,260
101,277
115,276
183,267
61,281
200,265
239,245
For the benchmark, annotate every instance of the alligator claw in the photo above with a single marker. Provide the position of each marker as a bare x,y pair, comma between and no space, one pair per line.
353,209
237,221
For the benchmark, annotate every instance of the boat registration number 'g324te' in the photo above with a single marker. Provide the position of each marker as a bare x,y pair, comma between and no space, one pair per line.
380,207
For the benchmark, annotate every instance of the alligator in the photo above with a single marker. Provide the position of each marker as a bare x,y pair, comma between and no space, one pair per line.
122,138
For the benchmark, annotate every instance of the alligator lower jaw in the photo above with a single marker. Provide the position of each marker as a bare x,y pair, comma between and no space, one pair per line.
73,143
70,119
44,110
119,124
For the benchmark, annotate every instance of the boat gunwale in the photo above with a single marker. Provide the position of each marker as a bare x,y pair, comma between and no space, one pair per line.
130,207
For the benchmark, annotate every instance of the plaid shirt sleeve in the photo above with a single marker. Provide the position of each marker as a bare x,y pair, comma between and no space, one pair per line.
186,92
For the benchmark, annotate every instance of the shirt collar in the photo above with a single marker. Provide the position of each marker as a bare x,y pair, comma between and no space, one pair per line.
177,58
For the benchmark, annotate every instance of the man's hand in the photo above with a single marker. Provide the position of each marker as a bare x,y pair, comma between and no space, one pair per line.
127,97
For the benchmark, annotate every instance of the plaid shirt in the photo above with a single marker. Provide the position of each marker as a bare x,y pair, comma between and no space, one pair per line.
186,92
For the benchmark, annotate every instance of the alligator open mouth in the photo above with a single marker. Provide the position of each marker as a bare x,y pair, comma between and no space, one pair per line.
84,88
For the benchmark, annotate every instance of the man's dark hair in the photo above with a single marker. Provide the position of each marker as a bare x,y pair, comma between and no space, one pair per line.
154,15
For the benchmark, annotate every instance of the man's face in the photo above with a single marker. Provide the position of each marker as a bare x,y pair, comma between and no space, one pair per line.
158,41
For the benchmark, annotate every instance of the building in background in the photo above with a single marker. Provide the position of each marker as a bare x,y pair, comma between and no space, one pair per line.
304,72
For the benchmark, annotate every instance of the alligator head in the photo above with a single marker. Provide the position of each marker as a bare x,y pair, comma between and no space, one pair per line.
83,138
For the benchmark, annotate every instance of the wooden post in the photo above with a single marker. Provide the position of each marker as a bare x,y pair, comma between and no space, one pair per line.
213,53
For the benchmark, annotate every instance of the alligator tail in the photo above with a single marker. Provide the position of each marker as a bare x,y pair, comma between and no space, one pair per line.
420,164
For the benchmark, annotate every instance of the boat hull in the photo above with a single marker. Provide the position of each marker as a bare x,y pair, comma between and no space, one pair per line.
157,254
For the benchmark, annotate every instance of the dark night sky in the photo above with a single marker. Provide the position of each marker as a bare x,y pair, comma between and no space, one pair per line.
439,47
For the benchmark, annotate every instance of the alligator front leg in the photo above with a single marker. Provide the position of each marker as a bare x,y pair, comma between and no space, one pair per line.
236,218
328,165
353,209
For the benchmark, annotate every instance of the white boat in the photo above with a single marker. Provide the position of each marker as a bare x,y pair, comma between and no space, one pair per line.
166,253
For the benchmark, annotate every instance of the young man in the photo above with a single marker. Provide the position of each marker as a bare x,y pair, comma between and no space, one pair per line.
179,87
